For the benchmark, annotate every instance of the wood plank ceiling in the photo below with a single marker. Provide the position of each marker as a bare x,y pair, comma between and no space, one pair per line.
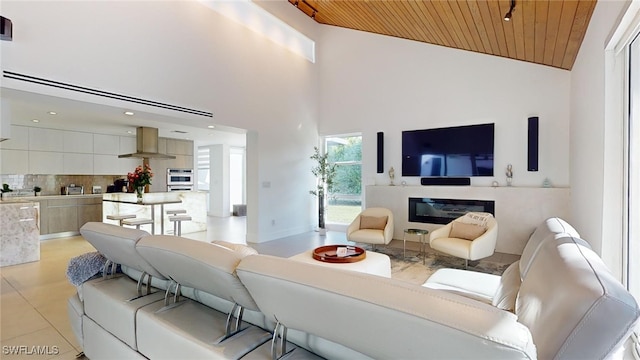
547,32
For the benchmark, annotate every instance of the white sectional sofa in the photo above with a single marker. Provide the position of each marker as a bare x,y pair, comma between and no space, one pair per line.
227,302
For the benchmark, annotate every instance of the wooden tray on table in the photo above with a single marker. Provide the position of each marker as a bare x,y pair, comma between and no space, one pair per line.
329,254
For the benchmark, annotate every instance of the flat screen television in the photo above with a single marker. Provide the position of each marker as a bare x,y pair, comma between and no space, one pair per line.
461,151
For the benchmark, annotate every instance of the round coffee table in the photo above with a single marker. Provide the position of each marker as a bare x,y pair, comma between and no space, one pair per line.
421,233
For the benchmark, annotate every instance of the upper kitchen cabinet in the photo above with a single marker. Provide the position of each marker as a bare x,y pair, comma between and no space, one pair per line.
78,142
179,147
46,140
14,161
77,164
42,162
19,139
106,144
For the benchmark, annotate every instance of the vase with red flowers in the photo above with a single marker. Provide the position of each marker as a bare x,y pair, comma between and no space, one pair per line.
140,178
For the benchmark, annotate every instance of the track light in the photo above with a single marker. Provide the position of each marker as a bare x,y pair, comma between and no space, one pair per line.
507,16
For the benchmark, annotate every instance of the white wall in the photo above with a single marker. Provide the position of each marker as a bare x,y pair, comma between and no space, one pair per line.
374,83
185,54
596,156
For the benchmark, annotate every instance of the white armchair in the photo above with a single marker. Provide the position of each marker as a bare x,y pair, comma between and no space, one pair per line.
472,236
372,226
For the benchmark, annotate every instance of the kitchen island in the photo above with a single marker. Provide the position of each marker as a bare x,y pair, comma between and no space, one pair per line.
155,206
20,235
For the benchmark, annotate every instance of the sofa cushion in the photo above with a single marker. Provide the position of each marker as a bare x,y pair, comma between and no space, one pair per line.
240,249
197,264
113,304
118,244
347,305
461,230
572,304
373,222
507,290
471,284
551,228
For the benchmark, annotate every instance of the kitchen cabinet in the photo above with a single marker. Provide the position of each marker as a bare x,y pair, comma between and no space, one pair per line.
19,139
62,215
107,164
44,219
179,147
77,164
127,145
89,209
46,140
78,142
42,162
14,161
106,144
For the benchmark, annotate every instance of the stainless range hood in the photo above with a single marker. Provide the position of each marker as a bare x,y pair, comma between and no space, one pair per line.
147,145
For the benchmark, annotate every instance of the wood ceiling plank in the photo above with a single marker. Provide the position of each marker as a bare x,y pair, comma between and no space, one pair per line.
580,23
517,29
463,6
442,7
497,18
566,23
508,27
542,9
479,24
436,35
547,32
553,24
487,23
528,9
437,20
419,24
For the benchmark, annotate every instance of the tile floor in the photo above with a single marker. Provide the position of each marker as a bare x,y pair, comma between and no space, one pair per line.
33,300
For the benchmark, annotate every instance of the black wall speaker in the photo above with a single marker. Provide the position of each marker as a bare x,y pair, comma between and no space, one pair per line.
6,29
532,145
380,152
442,181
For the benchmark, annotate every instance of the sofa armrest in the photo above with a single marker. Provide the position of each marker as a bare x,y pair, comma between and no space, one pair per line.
442,232
485,244
354,226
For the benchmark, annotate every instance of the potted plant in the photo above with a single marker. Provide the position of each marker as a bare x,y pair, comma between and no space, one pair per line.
5,188
37,190
324,173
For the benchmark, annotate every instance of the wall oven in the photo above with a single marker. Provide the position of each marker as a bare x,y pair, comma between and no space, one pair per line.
180,179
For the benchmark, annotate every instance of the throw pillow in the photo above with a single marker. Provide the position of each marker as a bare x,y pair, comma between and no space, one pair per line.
461,230
475,218
242,250
373,222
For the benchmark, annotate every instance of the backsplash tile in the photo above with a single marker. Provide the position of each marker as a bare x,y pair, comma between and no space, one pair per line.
51,184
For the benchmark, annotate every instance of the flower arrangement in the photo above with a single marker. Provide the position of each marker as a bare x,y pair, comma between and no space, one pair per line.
140,178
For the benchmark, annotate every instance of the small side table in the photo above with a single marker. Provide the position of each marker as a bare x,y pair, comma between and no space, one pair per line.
423,245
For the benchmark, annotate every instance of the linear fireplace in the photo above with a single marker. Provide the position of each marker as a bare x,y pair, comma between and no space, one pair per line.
443,211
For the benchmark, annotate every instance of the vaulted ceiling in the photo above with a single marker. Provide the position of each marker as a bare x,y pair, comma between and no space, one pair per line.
547,32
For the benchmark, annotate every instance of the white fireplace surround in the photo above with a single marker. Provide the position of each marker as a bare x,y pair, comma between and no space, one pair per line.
517,209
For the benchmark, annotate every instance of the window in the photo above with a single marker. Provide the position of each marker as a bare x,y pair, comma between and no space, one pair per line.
632,162
345,201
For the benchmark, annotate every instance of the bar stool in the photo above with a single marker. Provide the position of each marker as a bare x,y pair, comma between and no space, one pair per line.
138,222
177,223
176,212
119,218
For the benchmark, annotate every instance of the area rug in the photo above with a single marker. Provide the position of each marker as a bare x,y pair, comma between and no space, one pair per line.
412,269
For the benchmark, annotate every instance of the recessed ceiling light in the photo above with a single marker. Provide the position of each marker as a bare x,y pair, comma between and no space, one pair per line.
52,113
129,132
129,113
211,126
35,120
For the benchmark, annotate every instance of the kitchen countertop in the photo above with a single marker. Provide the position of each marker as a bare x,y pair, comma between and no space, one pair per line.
10,200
